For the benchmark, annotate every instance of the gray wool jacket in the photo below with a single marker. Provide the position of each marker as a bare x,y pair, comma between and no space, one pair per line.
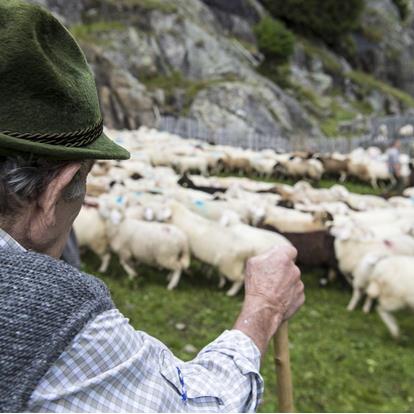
44,303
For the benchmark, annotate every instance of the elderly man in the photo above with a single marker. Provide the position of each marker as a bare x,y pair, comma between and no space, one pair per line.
63,344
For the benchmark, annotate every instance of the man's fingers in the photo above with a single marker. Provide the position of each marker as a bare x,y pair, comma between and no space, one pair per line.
289,251
296,273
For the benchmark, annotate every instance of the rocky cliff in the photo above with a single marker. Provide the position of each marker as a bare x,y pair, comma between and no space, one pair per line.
199,59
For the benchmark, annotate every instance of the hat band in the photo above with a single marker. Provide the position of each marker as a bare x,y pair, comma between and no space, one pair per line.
79,138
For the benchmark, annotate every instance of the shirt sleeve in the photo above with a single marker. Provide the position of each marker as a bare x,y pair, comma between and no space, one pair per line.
110,367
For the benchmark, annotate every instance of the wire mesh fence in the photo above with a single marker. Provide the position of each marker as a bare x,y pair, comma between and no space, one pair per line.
196,129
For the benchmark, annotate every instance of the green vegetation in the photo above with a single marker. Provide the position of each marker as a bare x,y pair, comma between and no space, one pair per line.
147,5
251,47
403,7
316,104
330,125
373,33
275,41
330,63
368,83
351,185
355,187
175,81
341,361
93,32
279,74
328,20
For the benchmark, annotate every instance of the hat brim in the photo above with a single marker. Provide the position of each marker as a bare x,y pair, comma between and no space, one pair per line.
101,149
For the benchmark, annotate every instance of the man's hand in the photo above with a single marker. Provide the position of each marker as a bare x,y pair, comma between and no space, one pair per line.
273,293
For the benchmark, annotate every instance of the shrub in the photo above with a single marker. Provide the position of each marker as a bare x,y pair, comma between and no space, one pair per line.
403,8
326,19
275,41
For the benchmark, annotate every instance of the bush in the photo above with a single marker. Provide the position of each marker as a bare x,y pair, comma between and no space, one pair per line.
403,8
326,19
275,41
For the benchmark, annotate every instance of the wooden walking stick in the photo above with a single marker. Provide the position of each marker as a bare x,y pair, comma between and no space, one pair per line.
284,388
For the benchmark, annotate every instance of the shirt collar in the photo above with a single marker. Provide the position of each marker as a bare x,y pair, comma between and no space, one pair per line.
7,242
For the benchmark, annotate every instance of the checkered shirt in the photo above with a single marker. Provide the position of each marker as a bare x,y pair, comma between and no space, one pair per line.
111,367
7,242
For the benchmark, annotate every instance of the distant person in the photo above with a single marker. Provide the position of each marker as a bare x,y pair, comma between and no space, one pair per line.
64,346
394,165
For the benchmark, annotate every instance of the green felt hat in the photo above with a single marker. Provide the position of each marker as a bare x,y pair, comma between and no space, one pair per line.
48,99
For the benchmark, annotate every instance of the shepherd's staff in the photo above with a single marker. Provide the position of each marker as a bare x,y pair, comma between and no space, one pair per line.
284,388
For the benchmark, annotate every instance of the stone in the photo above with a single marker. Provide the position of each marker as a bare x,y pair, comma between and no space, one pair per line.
180,326
190,349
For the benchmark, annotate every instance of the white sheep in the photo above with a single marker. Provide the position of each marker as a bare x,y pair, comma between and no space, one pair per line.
287,220
90,230
378,170
154,244
185,163
213,244
352,243
389,280
409,192
299,167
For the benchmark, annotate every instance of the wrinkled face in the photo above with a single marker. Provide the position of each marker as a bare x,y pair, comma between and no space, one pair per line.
66,213
52,216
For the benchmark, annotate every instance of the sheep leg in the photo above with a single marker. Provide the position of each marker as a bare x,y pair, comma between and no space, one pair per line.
342,177
207,270
374,183
235,288
175,278
105,263
367,304
356,296
222,282
389,321
128,268
332,275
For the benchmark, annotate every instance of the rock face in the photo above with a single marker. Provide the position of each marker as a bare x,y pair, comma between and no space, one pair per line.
385,47
249,108
199,59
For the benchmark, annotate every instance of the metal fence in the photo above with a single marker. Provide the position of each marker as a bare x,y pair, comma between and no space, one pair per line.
390,126
196,129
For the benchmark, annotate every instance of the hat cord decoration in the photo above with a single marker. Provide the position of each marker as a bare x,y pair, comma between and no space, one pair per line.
79,138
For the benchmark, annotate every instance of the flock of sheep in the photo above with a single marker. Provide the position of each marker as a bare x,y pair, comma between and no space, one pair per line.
151,210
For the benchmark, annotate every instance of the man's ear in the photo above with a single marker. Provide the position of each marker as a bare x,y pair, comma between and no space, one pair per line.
52,193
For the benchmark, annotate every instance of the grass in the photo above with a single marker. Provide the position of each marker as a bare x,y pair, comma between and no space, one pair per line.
341,361
94,31
147,5
352,185
170,83
368,83
329,61
330,126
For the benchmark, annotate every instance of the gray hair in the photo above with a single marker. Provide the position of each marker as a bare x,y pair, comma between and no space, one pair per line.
24,178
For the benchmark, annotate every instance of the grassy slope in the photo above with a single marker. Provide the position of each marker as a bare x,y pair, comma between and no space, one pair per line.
341,361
